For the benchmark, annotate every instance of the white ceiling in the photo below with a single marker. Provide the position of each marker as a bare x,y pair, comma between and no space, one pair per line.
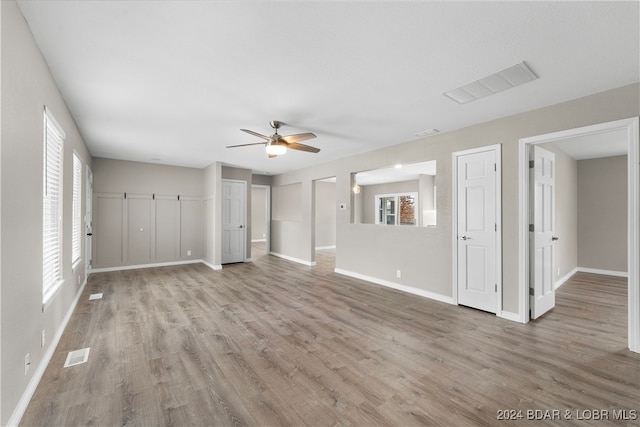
396,173
593,146
172,82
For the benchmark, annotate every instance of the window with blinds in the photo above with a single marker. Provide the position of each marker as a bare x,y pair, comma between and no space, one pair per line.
52,207
76,236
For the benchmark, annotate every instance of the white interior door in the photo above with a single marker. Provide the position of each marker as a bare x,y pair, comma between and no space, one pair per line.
233,221
543,297
477,254
88,220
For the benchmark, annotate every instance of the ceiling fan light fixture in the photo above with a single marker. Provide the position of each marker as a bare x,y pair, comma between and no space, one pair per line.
275,149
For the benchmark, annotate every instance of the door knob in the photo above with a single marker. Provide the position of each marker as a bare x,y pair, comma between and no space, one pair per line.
554,238
89,234
241,226
465,238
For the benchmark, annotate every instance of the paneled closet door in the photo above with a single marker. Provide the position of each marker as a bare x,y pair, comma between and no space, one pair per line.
108,230
139,226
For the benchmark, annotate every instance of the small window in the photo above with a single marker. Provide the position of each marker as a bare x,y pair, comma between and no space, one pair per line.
52,207
76,238
396,209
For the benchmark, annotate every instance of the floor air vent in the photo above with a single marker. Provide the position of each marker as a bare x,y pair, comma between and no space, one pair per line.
95,296
77,357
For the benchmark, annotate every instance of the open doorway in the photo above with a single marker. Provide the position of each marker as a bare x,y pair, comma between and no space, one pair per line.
260,220
629,129
324,230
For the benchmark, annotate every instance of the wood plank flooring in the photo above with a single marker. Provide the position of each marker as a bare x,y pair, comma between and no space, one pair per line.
276,343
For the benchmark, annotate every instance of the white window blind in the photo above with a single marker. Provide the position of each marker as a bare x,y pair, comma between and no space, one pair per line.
76,237
52,207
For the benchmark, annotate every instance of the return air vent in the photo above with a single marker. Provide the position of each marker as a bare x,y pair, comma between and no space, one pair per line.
502,80
77,357
95,296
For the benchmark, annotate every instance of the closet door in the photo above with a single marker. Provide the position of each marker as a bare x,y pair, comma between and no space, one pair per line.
191,219
108,233
139,226
167,232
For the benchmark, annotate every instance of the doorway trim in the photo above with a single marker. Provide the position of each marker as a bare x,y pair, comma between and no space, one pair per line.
629,125
498,149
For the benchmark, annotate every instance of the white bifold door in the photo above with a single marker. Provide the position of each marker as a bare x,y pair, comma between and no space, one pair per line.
477,204
234,196
541,231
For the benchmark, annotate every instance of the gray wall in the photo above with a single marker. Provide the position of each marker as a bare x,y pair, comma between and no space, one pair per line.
602,213
325,229
367,197
258,213
212,210
566,212
160,219
425,254
27,87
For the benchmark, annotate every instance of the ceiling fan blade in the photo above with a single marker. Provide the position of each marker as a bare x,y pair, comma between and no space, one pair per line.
255,134
302,147
246,145
289,139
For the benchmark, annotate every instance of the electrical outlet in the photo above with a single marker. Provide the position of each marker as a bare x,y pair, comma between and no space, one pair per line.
398,274
27,363
42,339
189,252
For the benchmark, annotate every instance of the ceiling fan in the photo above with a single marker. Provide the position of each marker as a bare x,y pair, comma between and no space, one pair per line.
276,144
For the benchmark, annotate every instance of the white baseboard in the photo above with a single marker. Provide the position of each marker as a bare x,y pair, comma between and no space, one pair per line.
564,278
135,267
18,412
211,266
605,272
322,248
290,258
514,317
397,286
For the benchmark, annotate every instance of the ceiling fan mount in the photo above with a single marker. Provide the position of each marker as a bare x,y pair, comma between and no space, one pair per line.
276,144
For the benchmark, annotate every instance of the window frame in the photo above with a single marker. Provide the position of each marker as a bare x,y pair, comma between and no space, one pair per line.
52,207
396,197
76,233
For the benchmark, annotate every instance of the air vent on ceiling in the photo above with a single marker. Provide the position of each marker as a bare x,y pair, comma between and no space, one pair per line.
502,80
426,132
77,357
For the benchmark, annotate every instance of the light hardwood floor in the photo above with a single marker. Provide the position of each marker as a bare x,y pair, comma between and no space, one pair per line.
276,343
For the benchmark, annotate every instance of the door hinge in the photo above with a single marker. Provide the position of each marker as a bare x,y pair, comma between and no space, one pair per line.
495,167
178,197
531,228
496,288
125,195
495,227
531,291
153,196
531,163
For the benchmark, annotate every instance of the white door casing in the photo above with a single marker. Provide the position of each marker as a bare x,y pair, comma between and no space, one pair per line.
542,240
477,245
631,126
233,221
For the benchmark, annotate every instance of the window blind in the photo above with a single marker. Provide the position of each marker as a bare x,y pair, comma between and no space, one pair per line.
52,208
76,237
